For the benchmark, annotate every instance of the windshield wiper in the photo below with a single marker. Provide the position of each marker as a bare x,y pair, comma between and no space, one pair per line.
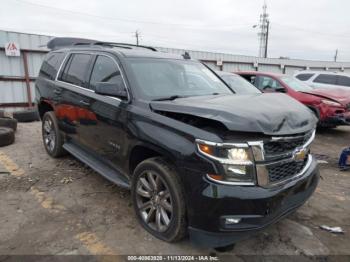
170,98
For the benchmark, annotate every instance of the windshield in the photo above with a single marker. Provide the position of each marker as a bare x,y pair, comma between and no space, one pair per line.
163,78
295,84
239,85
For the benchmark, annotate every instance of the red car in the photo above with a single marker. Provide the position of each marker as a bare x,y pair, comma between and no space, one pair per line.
332,107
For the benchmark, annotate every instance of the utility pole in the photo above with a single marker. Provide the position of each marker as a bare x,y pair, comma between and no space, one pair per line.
137,35
267,37
264,32
336,55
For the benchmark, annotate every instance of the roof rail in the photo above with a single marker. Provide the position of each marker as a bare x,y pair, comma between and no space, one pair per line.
126,45
60,42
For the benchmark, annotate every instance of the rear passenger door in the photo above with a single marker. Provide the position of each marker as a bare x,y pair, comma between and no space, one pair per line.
73,106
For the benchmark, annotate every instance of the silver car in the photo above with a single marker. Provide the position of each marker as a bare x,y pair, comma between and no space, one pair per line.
324,79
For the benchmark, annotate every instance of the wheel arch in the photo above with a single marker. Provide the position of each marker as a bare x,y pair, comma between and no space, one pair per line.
143,151
43,107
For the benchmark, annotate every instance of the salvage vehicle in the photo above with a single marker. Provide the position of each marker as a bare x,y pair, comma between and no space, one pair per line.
331,107
324,79
198,158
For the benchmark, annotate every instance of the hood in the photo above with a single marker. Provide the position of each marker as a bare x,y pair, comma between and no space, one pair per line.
339,95
271,114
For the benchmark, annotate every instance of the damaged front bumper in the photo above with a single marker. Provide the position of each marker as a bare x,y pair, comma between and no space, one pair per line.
253,207
337,120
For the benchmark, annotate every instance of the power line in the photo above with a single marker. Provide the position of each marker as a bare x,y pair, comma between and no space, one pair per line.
310,31
204,27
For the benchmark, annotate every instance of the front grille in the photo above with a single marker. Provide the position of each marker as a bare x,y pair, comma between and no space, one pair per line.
283,146
284,171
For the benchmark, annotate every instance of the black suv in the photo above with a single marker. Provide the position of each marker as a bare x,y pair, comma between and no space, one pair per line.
197,157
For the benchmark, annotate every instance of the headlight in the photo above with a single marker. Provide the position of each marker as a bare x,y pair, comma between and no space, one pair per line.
330,102
235,159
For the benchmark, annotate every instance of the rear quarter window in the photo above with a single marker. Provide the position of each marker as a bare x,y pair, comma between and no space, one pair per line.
326,79
343,81
304,77
51,65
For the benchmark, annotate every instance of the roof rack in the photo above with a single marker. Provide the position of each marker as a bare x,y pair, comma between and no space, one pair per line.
61,42
126,45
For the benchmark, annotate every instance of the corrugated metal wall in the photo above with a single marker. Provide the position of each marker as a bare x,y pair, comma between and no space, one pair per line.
233,67
270,68
15,91
13,85
240,63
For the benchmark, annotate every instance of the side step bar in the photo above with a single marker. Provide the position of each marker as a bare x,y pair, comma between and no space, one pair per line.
106,171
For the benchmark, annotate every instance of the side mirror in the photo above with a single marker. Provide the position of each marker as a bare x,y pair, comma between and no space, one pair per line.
111,89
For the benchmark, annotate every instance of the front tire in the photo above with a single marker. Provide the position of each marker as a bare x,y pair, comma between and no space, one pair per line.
52,137
158,199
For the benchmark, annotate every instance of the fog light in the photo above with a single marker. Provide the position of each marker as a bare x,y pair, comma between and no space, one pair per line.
231,220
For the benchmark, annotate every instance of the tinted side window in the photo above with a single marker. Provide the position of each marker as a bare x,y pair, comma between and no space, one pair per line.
343,81
75,69
105,70
50,65
326,79
304,77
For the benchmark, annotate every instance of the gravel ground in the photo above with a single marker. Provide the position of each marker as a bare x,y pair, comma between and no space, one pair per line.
60,206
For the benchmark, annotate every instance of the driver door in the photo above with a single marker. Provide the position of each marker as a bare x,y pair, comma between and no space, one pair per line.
104,130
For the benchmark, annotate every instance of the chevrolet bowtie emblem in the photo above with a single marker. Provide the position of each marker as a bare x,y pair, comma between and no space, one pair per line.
300,155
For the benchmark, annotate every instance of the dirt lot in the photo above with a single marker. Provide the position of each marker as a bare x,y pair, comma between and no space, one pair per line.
60,206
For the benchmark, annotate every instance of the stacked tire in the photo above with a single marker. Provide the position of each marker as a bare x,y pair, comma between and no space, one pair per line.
8,123
27,115
8,127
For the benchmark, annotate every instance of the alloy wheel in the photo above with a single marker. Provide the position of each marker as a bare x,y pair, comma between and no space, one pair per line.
49,135
154,201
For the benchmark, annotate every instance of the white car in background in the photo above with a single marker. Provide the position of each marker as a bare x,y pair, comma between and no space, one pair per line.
324,79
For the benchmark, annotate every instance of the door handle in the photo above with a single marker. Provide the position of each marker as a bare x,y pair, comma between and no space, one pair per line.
57,91
85,103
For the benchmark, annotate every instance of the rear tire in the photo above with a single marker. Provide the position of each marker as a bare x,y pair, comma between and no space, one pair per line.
28,115
52,136
7,136
158,199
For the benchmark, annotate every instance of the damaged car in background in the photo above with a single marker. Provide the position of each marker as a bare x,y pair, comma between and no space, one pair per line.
198,158
330,106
